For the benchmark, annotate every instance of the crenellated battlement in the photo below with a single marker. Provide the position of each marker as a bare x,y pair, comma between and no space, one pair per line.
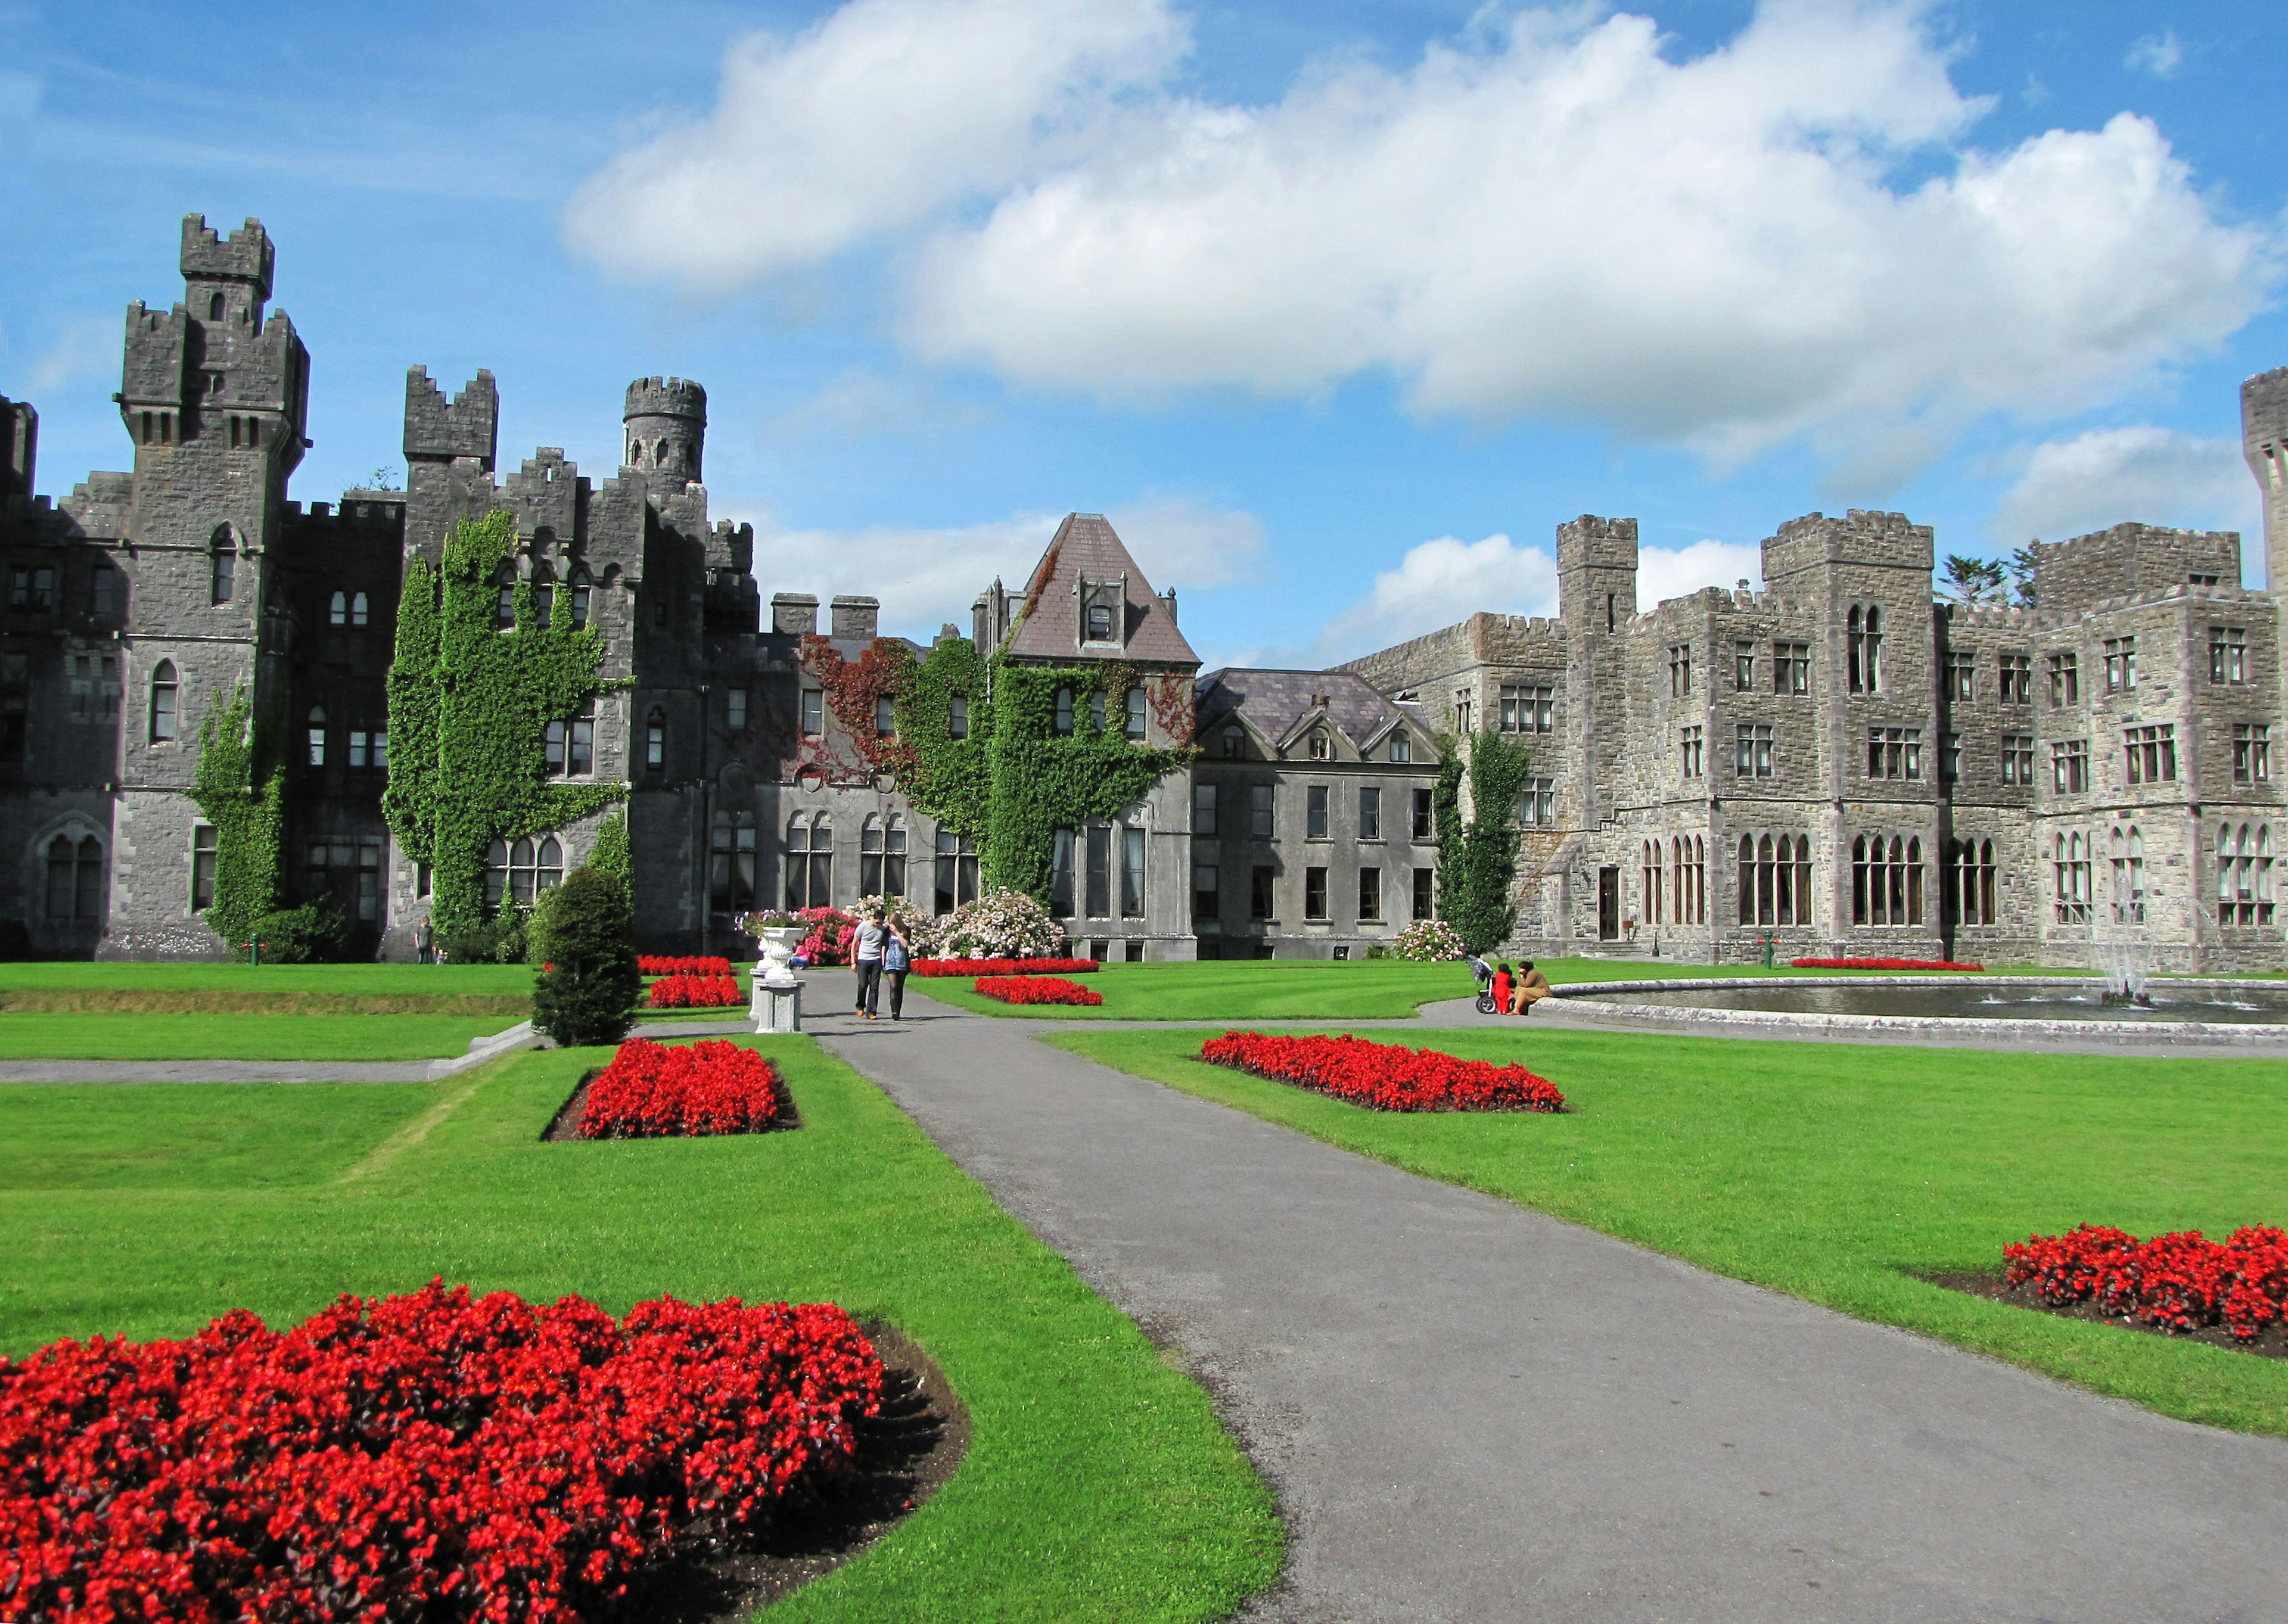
439,430
245,255
1862,537
666,397
2142,561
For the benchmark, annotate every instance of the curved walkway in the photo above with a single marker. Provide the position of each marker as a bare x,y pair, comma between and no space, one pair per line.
1473,1412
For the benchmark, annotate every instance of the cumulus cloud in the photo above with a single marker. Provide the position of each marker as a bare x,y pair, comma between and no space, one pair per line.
883,113
926,575
2158,54
2143,473
1788,234
1440,582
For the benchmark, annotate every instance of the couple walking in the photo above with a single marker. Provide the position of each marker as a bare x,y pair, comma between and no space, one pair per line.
881,949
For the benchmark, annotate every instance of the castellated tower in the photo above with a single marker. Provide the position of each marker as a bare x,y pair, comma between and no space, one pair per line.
666,429
20,446
1596,600
449,447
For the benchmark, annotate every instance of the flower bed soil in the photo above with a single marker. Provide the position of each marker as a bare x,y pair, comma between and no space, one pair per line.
1036,990
1005,967
655,964
2271,1345
696,992
1383,1076
432,1456
1884,964
745,1108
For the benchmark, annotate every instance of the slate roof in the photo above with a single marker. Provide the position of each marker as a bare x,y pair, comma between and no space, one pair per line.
1275,701
1048,627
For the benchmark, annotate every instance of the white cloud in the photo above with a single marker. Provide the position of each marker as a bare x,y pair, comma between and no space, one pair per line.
861,401
1547,216
2158,54
875,118
1437,583
927,576
2144,474
1663,573
84,348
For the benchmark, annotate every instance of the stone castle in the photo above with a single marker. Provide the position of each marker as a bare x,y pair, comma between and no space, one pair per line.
1834,764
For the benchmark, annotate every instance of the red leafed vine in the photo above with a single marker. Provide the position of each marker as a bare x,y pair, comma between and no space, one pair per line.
1174,707
854,690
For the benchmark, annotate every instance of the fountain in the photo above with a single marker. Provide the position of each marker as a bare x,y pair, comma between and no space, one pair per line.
2127,962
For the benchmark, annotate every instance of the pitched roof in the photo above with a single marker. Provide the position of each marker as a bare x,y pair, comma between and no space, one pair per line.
1276,702
1049,625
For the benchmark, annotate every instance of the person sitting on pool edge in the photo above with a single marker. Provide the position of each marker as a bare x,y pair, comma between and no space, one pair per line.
1532,988
1501,989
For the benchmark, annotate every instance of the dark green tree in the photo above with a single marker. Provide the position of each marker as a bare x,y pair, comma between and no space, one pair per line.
584,934
1975,580
1478,859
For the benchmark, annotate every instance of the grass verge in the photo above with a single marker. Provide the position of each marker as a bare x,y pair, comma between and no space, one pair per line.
1841,1174
243,1037
395,981
1098,1485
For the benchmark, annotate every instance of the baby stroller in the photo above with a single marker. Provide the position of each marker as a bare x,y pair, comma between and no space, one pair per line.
1485,974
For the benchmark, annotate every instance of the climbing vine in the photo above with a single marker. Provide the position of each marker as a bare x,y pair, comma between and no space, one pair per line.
1019,776
1478,858
854,690
239,789
469,706
610,854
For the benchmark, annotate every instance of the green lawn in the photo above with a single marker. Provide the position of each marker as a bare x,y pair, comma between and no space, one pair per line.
1838,1173
243,1037
1302,989
1098,1485
387,980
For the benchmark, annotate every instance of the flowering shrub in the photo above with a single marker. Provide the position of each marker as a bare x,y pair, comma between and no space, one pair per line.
1881,964
1429,941
652,964
2178,1282
650,1091
1000,924
1005,967
425,1456
830,934
696,992
1384,1076
1036,989
918,929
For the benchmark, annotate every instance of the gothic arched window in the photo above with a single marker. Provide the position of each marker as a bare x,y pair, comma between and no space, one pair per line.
731,862
359,612
223,583
75,878
317,735
163,702
655,741
338,612
579,597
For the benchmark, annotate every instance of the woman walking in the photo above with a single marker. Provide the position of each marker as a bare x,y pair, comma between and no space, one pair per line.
897,959
866,954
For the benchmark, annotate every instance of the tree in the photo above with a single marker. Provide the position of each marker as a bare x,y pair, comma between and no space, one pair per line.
2021,571
1975,580
584,933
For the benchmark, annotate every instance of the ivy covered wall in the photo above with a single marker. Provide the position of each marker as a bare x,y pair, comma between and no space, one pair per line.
240,787
469,706
1013,778
1477,853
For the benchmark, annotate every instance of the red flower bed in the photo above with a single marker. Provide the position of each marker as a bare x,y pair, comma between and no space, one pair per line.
1881,964
650,1091
1036,990
696,992
1005,967
424,1457
652,964
2180,1282
1384,1076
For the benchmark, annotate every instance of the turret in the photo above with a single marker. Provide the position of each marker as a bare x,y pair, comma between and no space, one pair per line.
666,420
226,279
439,430
19,444
1597,572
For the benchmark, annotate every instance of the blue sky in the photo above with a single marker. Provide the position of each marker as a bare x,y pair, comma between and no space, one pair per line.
1337,308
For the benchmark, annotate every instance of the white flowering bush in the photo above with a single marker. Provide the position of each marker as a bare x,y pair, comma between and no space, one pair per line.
1001,924
1429,941
918,929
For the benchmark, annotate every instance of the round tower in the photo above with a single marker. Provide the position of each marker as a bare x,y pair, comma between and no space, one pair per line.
666,422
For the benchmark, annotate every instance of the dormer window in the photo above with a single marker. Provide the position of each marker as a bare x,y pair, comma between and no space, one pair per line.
1322,747
1234,744
1402,749
1099,623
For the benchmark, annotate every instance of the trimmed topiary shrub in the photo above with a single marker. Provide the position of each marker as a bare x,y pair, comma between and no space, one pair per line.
315,933
588,980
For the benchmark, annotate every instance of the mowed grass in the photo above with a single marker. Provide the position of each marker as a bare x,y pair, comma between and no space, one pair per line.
395,981
1098,1484
1840,1173
1302,989
243,1037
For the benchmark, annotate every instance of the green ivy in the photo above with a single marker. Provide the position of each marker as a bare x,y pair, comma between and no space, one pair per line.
1015,780
240,787
469,706
610,855
1478,859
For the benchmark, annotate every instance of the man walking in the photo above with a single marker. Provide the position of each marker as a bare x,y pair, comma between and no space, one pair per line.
866,954
897,959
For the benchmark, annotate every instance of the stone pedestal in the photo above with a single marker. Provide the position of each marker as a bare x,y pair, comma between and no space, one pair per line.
777,1008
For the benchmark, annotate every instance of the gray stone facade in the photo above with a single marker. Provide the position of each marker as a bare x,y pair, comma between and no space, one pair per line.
1992,782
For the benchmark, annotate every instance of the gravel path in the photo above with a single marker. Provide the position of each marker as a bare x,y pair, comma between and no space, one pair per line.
1473,1412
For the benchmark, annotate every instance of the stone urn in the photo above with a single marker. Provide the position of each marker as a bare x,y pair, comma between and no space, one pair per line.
778,944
